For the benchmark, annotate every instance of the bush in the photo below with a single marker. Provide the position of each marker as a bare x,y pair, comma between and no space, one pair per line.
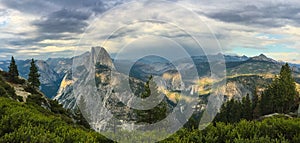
27,123
274,129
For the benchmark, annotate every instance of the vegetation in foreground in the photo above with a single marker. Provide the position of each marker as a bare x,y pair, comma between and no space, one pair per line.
21,122
274,129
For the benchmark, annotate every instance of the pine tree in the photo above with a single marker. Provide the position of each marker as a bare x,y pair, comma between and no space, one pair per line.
33,77
247,108
157,113
281,96
235,111
13,72
288,89
255,104
255,98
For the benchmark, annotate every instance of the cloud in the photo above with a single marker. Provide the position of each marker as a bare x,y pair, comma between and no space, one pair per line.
266,15
35,7
38,7
39,25
285,56
64,20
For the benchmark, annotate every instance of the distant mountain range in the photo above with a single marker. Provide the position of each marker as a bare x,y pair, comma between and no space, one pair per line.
53,70
50,77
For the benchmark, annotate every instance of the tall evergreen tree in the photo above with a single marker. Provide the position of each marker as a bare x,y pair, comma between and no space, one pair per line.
157,113
13,72
255,104
235,111
33,77
281,96
288,89
247,108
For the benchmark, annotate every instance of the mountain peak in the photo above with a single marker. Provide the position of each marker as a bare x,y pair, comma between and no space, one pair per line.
262,57
100,55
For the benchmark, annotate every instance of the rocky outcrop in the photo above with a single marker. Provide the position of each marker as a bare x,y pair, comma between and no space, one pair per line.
100,56
87,85
65,93
99,90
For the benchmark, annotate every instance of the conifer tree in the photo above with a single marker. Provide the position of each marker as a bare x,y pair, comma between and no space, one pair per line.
288,89
281,96
235,111
247,108
13,72
33,77
255,105
230,112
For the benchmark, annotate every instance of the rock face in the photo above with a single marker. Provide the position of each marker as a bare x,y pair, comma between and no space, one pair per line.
239,87
65,95
95,65
49,79
60,65
99,90
98,55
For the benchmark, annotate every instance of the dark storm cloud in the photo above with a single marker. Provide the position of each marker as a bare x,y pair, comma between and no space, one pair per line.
65,20
29,6
43,6
275,15
58,16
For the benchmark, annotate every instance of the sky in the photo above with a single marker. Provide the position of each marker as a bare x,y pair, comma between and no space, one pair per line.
63,28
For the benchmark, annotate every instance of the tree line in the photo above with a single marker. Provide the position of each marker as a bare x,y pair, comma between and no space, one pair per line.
33,76
280,96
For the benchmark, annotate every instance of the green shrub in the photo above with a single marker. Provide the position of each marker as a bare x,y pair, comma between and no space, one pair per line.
274,129
28,123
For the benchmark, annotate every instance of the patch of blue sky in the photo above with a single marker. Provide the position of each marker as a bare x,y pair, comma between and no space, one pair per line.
249,51
278,48
3,23
272,36
254,51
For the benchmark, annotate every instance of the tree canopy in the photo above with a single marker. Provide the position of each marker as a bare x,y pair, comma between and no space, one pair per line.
33,77
281,95
13,72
